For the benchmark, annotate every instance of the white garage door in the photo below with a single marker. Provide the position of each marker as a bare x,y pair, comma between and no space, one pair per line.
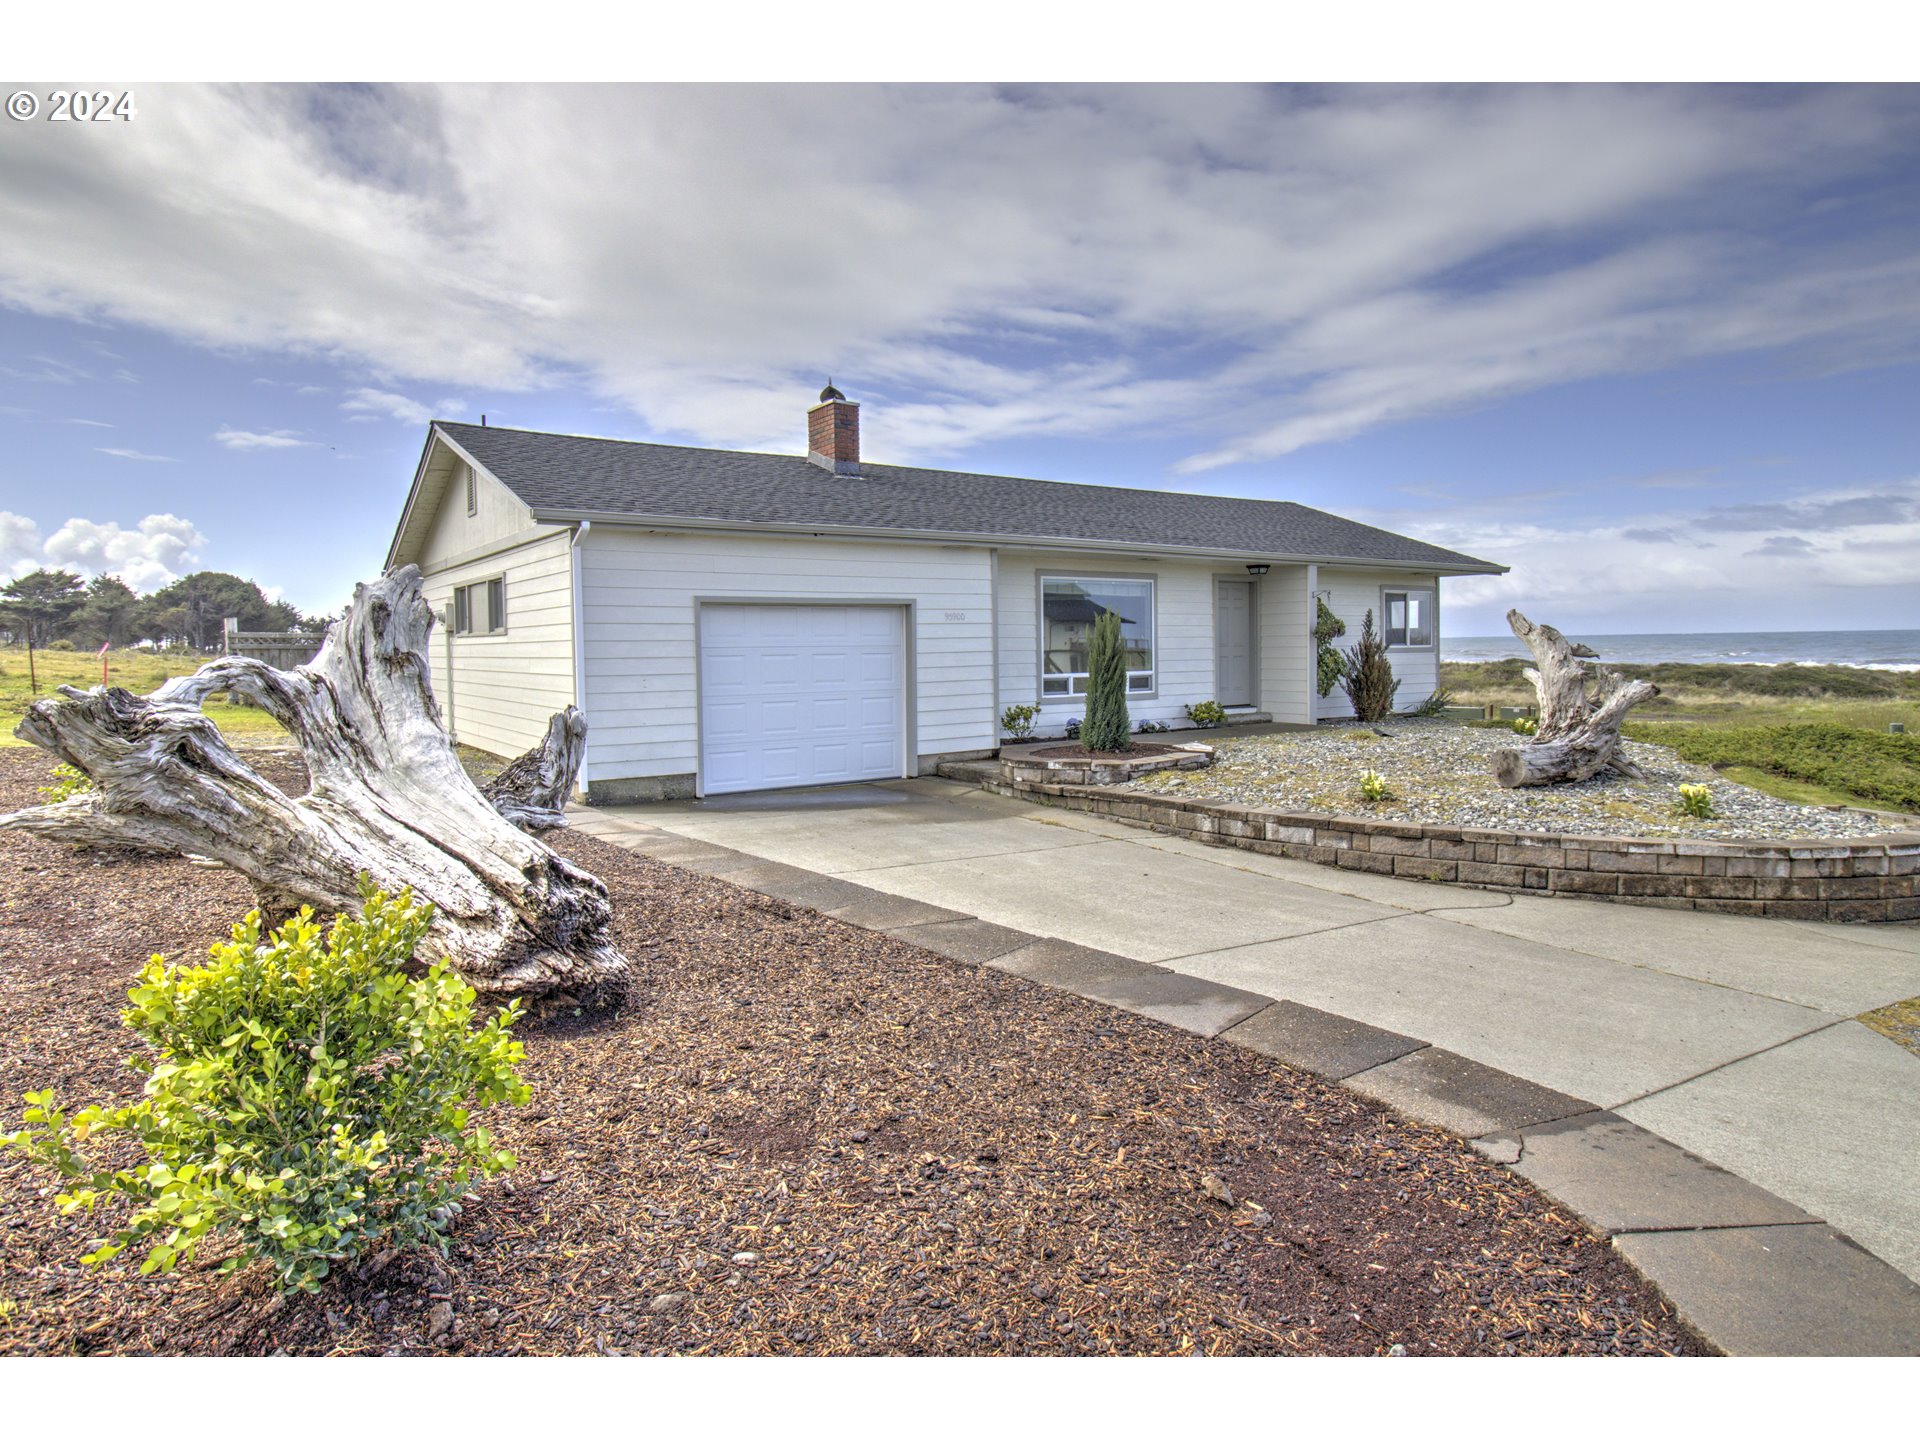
800,695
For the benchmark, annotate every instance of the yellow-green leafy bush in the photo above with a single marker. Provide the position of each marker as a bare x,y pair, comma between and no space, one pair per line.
1374,787
1697,801
304,1094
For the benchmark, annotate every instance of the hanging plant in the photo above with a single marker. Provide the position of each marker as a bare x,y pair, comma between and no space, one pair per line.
1327,628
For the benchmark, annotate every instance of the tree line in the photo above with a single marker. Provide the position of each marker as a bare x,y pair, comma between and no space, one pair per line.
48,606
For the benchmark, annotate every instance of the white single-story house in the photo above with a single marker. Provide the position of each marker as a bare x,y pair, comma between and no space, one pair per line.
730,620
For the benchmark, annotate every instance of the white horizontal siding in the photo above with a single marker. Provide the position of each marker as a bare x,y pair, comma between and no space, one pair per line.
498,691
1353,594
499,515
640,592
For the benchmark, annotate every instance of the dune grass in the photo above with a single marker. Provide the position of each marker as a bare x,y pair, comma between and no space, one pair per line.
1813,734
137,670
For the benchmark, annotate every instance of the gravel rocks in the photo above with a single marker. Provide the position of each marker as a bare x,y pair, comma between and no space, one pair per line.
1441,773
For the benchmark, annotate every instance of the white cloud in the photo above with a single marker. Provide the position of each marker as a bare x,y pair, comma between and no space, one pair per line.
1716,568
20,545
1274,269
132,454
367,404
259,440
157,552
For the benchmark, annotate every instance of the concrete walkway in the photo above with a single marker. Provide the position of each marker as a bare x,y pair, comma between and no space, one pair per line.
1693,1084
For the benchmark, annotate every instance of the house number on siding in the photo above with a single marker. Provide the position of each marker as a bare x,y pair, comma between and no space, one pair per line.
956,615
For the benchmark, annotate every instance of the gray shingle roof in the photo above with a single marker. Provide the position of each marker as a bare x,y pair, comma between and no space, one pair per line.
565,476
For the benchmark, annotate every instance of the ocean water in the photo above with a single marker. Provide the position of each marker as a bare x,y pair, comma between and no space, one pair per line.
1868,649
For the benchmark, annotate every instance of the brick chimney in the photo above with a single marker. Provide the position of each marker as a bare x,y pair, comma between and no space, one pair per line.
833,433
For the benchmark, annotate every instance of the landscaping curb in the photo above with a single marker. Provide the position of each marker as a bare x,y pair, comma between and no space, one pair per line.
1876,878
1753,1274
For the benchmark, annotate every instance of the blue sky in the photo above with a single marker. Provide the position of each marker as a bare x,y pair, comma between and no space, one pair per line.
1655,347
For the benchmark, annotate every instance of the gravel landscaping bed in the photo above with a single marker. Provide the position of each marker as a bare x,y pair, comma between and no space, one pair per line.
805,1138
1441,773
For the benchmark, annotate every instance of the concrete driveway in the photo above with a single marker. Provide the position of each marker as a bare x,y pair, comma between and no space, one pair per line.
1732,1038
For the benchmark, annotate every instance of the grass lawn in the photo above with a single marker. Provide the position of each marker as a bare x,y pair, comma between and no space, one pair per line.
140,671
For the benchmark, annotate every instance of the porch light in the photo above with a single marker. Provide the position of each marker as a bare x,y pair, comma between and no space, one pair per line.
1258,569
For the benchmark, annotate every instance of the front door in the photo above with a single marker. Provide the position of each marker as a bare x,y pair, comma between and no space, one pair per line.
1233,641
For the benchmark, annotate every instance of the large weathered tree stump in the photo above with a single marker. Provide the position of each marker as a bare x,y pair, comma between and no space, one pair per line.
1579,732
532,791
388,799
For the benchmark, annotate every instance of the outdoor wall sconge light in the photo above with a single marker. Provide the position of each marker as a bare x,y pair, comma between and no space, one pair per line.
1258,569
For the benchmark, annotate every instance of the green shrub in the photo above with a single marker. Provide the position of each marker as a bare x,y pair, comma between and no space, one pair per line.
1327,628
1374,787
1697,801
1017,720
1883,768
1207,713
304,1097
60,645
1434,704
1107,725
1369,681
68,781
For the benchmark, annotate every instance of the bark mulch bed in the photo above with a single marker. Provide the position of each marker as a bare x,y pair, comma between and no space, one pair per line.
807,1138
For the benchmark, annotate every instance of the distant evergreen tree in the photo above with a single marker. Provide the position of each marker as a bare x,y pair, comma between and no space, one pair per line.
1107,725
35,606
106,616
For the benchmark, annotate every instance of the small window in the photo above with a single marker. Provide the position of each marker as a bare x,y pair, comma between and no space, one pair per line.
1409,618
473,491
1069,607
480,609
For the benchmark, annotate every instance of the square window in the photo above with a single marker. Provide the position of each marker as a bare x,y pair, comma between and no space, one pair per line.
1408,617
1069,607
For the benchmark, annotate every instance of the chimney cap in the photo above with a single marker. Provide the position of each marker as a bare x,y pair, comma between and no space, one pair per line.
830,393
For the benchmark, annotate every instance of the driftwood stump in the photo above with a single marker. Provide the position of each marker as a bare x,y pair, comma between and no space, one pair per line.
532,791
1579,734
388,799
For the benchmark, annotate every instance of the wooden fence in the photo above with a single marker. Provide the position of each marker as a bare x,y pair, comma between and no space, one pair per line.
282,649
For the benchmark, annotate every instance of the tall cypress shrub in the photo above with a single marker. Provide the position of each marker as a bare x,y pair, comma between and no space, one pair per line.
1107,725
1369,681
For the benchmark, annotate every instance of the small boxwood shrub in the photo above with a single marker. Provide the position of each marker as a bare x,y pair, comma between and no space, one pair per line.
1207,713
1017,720
68,781
305,1096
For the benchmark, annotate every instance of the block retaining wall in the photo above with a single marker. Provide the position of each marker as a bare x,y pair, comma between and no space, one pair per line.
1872,879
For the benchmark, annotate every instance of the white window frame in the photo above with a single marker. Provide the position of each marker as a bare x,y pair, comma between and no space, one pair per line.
1431,594
1141,684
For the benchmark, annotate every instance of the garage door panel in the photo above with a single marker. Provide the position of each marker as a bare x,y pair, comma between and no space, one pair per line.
800,695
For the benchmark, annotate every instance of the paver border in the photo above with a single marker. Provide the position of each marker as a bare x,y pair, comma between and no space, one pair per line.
1722,1278
1872,879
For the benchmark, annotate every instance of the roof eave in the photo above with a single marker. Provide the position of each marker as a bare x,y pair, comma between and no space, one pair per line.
1466,564
413,497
